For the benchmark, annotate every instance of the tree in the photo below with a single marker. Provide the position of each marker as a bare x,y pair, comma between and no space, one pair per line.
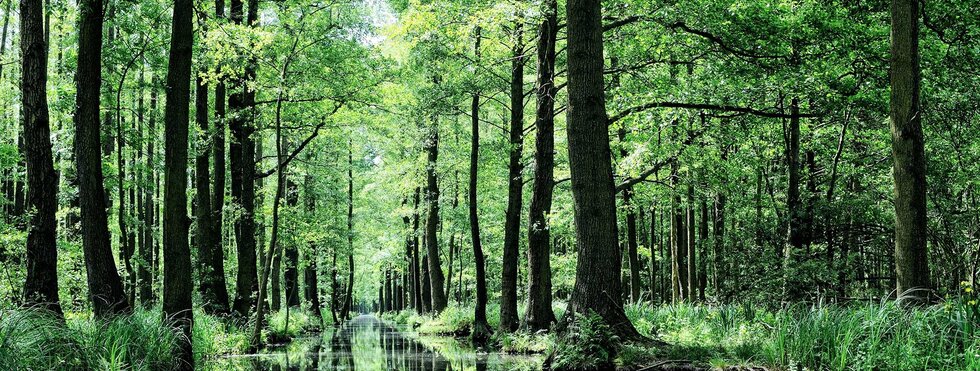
211,267
539,314
515,187
481,330
597,281
908,153
41,283
436,278
177,283
105,286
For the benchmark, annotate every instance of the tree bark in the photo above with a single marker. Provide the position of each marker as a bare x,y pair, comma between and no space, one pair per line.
539,314
311,274
597,276
177,283
105,286
291,271
908,153
41,282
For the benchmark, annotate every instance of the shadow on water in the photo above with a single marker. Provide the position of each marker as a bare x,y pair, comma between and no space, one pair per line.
366,344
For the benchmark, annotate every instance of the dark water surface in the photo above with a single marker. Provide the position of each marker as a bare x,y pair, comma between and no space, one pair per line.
367,344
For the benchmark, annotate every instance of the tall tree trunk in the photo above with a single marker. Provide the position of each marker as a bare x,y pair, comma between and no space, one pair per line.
719,261
417,278
348,300
147,266
678,241
242,178
311,274
908,153
105,286
597,281
481,330
539,314
791,291
631,242
703,247
291,271
436,278
177,283
41,283
515,186
692,255
211,268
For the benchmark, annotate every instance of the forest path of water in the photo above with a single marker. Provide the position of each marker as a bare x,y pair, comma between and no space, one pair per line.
368,343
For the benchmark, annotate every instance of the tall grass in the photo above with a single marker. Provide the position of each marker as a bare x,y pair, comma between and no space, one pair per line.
32,340
865,337
35,340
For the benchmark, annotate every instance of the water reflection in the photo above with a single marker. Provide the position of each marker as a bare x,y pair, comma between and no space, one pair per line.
366,344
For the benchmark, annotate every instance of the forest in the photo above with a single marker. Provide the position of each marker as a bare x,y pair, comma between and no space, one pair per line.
490,185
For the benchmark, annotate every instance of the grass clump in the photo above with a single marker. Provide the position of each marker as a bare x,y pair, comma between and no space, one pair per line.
282,328
217,336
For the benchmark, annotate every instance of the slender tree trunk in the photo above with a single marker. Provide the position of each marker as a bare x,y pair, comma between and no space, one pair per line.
147,266
41,283
791,291
481,330
417,278
311,275
105,286
242,178
597,281
515,185
908,153
719,261
211,268
291,271
348,300
703,247
436,278
692,255
177,283
678,241
540,315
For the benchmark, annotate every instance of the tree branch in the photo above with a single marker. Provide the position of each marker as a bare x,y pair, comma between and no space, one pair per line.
702,106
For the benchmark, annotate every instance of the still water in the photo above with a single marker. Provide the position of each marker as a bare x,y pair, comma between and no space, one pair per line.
367,344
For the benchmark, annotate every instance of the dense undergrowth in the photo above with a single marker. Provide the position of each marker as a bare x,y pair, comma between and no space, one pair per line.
31,340
865,336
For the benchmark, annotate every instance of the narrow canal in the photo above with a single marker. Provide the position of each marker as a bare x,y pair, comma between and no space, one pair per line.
365,344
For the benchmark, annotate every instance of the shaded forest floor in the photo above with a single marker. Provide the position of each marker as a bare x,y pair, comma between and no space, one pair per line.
742,337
